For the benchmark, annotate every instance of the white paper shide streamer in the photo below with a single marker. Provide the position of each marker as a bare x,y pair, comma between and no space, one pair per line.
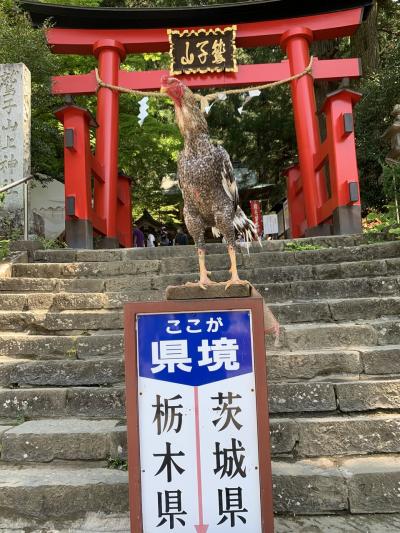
250,95
143,109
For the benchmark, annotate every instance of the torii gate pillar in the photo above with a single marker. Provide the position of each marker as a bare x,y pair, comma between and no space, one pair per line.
109,53
296,43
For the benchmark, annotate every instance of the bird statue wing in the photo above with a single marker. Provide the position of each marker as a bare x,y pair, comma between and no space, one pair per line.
227,177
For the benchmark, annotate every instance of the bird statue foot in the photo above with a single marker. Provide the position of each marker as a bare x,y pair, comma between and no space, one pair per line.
202,283
236,281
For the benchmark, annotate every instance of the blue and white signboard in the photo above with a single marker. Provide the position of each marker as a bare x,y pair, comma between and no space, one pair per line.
198,422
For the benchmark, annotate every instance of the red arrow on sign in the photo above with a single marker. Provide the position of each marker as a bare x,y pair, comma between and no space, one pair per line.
201,528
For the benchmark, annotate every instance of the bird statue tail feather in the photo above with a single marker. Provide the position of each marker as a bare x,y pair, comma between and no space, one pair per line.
243,226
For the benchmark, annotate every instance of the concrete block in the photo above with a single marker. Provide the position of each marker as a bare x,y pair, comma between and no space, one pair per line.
355,308
39,301
16,320
81,320
393,265
289,313
98,345
343,435
80,285
116,300
279,275
96,402
35,403
368,395
275,292
388,331
381,360
40,346
380,523
27,284
317,336
182,292
284,434
138,283
64,493
309,487
86,256
67,373
38,270
361,269
309,365
297,397
55,256
78,301
69,439
12,302
374,484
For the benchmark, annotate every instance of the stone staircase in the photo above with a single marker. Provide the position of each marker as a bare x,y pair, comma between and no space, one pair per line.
333,381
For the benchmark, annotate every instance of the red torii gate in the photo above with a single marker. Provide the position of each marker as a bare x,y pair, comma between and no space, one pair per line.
319,200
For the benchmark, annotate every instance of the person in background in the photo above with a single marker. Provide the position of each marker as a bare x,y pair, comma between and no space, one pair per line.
164,237
138,237
151,240
181,237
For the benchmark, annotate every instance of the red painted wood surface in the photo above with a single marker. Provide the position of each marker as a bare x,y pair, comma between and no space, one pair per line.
326,26
109,54
77,160
323,69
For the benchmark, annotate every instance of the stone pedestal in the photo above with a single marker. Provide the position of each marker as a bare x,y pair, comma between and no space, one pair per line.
189,292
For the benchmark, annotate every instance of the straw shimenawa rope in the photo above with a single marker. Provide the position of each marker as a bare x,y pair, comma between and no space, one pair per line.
206,99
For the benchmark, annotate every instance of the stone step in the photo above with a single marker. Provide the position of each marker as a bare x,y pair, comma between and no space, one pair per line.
112,319
50,285
288,246
357,485
33,403
44,347
336,310
65,361
69,255
359,362
120,523
273,293
44,492
66,439
314,336
371,523
330,288
295,337
61,373
75,439
280,282
370,260
316,366
334,435
108,402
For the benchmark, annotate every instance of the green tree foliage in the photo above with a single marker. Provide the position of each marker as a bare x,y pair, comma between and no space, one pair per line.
381,91
20,43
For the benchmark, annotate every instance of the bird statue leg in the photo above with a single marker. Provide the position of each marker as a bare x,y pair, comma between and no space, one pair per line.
204,279
235,280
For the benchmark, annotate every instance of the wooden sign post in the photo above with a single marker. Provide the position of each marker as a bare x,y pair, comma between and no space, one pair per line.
198,426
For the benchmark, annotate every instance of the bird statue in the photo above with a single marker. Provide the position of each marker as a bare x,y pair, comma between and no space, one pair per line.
205,177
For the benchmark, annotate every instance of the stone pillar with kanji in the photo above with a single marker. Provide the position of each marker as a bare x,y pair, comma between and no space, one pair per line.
15,138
